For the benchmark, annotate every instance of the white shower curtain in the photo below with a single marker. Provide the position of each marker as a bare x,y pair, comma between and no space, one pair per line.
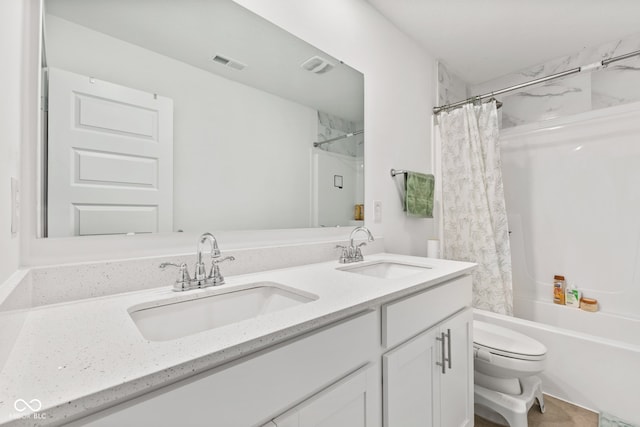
474,211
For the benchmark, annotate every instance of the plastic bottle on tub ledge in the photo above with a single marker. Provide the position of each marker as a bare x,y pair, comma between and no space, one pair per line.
572,296
559,288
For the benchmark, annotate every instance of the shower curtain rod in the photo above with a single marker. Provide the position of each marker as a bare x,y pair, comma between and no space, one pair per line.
588,67
358,132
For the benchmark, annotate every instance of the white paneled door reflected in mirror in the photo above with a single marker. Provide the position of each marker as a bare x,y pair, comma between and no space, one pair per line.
186,115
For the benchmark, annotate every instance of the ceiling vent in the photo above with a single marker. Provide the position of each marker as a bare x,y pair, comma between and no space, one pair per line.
317,65
228,62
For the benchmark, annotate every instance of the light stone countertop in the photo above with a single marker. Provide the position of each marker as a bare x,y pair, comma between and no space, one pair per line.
80,357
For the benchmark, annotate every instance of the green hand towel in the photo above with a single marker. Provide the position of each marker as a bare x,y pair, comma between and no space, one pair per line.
419,195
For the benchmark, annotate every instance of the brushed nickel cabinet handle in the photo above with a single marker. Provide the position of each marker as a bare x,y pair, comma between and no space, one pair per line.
449,347
441,338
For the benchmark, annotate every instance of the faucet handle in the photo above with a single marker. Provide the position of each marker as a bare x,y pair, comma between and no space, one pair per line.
215,276
219,260
345,256
183,281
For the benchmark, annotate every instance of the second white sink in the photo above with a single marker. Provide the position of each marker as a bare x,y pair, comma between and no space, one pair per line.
176,319
386,269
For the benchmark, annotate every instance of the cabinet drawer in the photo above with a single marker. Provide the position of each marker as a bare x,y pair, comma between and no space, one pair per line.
406,317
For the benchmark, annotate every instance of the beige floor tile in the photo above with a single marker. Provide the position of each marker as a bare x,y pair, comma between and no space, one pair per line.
557,414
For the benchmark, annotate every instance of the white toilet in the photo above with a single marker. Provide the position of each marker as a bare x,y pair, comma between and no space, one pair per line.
505,365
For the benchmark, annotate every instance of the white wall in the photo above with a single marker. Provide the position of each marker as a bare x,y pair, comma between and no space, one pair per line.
241,156
399,94
11,27
335,205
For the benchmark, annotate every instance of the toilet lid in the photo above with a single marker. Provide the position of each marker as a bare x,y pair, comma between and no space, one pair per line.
506,342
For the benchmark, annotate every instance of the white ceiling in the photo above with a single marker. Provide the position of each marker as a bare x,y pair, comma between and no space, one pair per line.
194,31
480,40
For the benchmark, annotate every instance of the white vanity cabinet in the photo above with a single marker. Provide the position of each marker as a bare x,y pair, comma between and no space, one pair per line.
428,379
405,363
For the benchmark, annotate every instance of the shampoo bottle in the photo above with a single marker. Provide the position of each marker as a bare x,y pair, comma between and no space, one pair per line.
559,287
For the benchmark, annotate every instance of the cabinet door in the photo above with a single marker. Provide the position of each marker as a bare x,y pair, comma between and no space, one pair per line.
351,402
411,382
456,385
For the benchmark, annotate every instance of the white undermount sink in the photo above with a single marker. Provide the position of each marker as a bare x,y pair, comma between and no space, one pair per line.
175,319
386,269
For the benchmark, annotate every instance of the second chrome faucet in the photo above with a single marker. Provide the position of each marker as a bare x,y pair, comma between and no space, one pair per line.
353,253
201,279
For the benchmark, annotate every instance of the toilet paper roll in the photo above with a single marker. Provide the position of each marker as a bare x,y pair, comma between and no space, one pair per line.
433,248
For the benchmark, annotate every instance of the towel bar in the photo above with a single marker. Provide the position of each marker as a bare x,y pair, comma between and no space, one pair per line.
395,172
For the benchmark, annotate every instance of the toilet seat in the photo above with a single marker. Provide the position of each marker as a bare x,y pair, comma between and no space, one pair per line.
507,354
506,343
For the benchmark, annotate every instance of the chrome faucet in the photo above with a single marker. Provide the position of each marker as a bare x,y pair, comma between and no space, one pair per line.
353,253
201,279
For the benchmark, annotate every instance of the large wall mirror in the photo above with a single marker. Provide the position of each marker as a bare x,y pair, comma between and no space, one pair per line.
191,115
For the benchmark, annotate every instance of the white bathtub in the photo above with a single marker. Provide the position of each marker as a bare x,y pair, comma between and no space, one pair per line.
573,205
592,370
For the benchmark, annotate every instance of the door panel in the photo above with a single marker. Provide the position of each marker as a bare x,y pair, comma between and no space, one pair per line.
105,219
112,116
94,167
110,158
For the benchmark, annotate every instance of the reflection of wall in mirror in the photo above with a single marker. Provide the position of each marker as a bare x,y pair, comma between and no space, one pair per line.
344,157
336,204
242,156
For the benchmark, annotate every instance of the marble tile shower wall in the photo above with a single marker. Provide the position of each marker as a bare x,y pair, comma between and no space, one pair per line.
615,85
330,126
451,88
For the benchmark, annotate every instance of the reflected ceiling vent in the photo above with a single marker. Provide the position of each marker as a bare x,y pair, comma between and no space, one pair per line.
231,63
317,65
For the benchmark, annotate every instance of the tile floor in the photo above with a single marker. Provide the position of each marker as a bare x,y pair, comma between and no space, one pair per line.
558,413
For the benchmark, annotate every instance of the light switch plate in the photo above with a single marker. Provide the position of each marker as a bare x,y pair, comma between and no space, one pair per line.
15,206
377,211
